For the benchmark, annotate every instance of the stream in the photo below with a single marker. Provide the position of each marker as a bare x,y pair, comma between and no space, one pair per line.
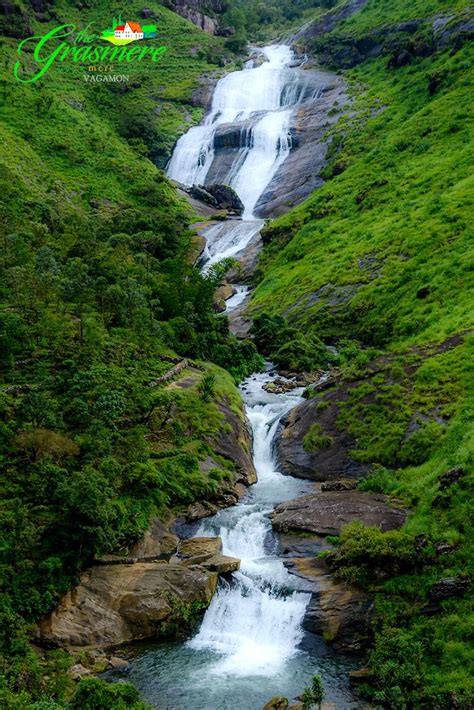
250,644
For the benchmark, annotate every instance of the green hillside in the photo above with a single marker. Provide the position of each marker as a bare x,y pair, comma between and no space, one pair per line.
378,263
97,290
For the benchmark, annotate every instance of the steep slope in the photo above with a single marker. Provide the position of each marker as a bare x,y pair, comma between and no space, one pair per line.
99,307
377,263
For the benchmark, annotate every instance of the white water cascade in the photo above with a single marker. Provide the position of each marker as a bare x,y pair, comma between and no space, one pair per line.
266,96
254,624
250,644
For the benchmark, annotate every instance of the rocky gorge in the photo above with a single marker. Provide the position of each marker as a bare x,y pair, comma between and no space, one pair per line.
162,583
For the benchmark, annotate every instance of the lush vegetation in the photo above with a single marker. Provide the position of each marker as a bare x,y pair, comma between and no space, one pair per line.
377,263
98,290
251,22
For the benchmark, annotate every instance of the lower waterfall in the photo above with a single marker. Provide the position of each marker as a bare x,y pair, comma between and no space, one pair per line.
250,645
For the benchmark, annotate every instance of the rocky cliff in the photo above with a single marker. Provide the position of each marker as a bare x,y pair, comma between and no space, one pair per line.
123,599
202,13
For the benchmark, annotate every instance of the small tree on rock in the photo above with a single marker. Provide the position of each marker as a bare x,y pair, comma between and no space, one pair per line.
313,694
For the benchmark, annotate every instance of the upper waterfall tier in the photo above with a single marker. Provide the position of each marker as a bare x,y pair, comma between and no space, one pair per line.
262,97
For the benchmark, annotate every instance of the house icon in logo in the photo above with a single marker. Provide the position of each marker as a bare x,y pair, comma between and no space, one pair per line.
123,32
129,31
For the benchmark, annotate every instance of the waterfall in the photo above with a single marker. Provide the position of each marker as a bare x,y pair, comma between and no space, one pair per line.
254,623
250,644
227,239
266,95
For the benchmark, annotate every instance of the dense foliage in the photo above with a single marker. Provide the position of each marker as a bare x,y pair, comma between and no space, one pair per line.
386,244
97,287
97,290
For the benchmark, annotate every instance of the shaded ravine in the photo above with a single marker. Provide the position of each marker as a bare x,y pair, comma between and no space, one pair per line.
250,644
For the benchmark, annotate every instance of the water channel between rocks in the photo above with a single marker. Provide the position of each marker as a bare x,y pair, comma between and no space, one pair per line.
250,644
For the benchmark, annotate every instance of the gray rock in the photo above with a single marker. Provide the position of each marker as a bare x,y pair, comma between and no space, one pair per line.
116,662
343,485
328,464
449,587
326,513
78,671
226,197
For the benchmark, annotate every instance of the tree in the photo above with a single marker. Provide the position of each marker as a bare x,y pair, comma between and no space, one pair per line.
313,694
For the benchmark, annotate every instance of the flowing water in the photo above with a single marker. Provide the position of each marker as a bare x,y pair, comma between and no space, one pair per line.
262,99
250,644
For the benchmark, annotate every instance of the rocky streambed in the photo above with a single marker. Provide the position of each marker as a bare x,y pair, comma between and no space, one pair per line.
250,557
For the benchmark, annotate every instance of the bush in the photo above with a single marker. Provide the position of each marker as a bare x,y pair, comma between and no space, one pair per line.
315,440
207,387
366,554
93,693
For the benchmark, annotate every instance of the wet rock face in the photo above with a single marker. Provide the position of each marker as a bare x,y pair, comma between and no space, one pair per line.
326,513
236,445
328,464
299,175
338,611
131,597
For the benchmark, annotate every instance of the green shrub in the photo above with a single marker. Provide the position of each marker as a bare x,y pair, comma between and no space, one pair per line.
315,440
207,387
366,554
93,693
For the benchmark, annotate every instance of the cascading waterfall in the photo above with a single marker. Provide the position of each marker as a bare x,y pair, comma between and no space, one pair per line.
267,95
249,644
255,622
226,239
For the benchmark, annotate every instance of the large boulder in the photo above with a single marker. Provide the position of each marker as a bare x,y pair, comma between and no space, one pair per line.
333,462
326,513
207,551
226,197
199,549
116,604
338,611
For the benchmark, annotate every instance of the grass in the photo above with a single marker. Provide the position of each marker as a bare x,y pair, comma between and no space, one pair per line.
390,235
315,439
404,199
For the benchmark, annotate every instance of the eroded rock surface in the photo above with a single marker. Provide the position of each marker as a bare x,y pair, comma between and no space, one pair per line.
235,443
333,462
116,604
326,513
338,611
299,175
121,599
